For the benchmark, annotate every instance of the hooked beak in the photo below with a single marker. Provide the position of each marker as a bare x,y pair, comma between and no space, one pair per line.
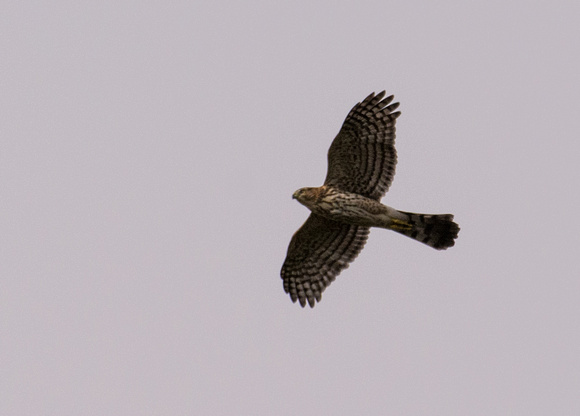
294,195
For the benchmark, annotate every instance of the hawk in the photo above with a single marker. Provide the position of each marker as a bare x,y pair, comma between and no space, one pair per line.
361,166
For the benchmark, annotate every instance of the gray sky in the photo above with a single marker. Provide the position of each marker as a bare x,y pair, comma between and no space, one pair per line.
149,151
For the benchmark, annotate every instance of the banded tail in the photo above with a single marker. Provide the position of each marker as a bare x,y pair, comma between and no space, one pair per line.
437,231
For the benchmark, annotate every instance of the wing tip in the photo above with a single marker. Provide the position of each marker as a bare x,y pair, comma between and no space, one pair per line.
379,100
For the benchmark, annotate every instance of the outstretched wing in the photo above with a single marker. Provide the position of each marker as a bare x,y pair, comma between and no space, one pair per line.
362,157
318,252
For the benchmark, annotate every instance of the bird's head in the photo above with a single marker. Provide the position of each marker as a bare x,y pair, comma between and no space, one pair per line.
306,196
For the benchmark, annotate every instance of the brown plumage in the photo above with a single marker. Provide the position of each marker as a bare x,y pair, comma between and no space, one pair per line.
361,166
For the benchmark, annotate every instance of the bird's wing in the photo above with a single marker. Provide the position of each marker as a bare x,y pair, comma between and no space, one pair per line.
318,252
362,157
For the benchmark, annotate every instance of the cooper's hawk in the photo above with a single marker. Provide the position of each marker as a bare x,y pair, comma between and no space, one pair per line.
361,166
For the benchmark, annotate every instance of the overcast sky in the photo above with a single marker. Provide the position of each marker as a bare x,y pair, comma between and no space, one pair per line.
149,151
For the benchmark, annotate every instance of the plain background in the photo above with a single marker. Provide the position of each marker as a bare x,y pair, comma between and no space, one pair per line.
149,151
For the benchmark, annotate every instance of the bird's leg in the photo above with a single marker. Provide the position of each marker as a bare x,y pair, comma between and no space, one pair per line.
399,225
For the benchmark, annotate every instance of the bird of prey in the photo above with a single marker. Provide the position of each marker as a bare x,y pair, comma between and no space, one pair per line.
361,166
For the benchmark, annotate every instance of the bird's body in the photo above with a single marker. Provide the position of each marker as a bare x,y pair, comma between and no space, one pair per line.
361,166
347,207
354,209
